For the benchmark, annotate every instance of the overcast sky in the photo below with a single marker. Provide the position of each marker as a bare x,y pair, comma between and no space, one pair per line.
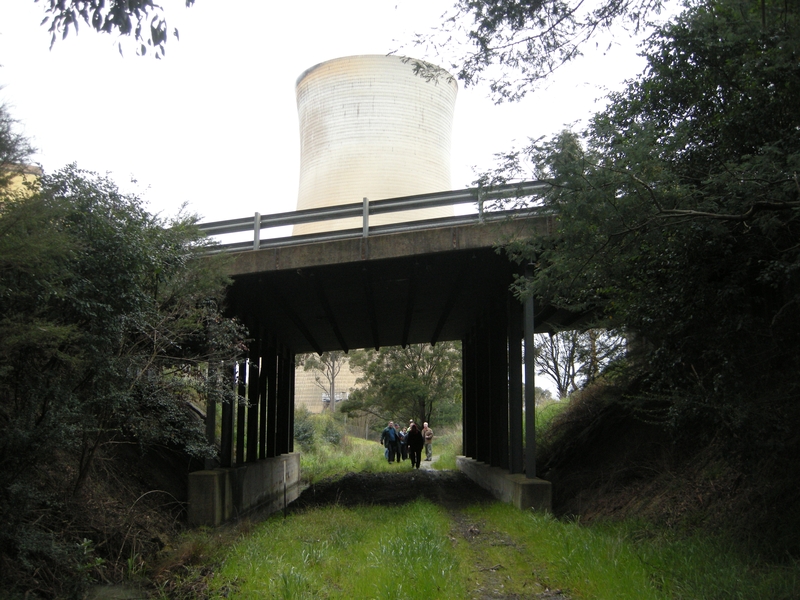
214,124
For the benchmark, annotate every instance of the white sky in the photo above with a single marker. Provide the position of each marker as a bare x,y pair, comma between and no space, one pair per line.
214,124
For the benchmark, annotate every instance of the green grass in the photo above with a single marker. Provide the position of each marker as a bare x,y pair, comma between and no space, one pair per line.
447,446
335,552
351,455
419,550
546,412
637,561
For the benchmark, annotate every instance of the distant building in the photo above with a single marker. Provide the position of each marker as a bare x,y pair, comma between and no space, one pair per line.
310,395
376,127
13,179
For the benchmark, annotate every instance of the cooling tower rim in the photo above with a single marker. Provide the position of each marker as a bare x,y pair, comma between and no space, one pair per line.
310,70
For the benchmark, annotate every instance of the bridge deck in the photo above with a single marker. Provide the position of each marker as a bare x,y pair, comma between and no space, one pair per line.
411,287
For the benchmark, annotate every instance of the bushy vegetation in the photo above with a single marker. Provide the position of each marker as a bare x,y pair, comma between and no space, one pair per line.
678,224
328,452
610,457
108,322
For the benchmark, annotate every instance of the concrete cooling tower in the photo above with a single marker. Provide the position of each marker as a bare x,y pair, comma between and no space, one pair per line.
372,128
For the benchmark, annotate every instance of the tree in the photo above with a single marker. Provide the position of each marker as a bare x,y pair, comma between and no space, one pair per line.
557,358
111,323
143,19
419,381
573,358
678,219
514,44
541,396
326,368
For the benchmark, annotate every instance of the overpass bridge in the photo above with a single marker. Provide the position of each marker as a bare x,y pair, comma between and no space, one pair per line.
408,283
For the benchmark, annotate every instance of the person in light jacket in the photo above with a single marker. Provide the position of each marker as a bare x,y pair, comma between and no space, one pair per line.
427,435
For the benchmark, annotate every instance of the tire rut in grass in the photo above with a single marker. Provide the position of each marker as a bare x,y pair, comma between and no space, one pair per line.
451,490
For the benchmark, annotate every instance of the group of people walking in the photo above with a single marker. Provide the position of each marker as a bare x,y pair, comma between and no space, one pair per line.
408,442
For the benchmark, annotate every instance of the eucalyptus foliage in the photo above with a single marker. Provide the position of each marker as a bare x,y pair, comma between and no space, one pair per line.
110,329
15,150
575,358
326,368
515,44
678,219
142,19
419,381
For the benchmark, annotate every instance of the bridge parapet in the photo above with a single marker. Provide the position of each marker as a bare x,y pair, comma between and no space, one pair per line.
482,197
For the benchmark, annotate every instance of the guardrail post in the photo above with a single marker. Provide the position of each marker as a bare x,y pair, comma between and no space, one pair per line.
257,231
366,217
480,204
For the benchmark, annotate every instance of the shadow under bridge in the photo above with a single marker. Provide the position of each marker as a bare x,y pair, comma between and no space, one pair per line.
442,282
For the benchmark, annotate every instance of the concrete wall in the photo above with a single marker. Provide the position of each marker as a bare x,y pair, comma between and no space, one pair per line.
219,495
515,489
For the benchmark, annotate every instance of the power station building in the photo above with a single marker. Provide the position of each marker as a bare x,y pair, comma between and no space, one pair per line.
375,127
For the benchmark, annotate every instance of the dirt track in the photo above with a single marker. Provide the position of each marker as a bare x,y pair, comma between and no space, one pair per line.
450,489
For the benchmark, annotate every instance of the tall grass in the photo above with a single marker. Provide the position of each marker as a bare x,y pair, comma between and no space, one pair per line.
336,552
351,455
418,551
638,561
448,445
547,411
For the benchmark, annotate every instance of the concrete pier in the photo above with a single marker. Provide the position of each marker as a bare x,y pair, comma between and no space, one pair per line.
219,495
515,489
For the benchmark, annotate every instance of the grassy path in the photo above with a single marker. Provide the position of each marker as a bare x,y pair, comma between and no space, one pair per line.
427,549
388,532
416,550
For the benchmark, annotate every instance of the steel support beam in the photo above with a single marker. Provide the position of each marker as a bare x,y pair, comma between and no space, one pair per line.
262,402
469,398
484,388
284,436
252,405
272,400
498,383
241,412
515,412
530,387
226,436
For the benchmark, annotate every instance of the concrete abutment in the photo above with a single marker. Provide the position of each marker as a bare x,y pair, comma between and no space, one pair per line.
515,489
219,495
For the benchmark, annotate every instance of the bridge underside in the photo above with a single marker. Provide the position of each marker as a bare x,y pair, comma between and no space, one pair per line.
416,287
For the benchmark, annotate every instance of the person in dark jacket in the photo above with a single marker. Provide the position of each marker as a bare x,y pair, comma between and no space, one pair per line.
403,445
415,442
390,442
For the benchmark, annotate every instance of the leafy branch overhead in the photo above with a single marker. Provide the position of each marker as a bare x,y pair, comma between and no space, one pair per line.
142,19
679,216
514,44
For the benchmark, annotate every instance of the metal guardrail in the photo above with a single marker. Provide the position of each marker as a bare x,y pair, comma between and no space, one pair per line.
366,208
